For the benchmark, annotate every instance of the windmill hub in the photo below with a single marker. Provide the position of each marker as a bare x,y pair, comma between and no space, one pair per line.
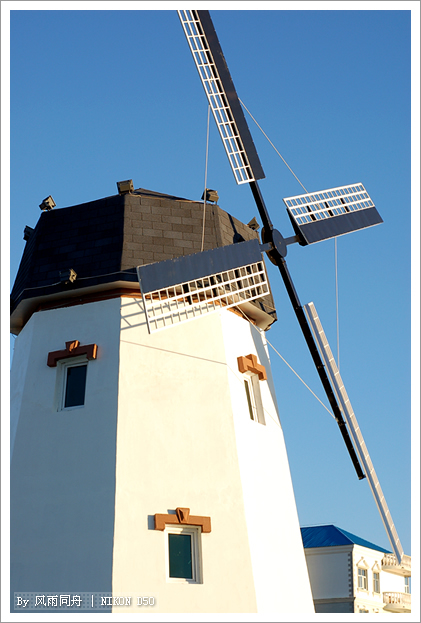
279,247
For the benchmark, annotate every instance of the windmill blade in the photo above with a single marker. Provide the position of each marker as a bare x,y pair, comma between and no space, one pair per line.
222,96
187,287
354,429
333,212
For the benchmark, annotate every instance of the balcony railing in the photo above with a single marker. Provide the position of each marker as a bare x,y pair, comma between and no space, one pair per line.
397,602
390,563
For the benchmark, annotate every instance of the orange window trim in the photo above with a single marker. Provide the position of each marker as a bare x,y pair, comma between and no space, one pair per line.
249,364
72,350
182,517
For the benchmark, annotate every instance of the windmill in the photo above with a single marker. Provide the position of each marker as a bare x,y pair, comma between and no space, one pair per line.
315,217
150,431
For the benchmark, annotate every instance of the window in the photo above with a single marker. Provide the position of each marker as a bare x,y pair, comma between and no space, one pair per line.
376,582
71,383
184,554
362,578
74,395
407,585
180,556
254,399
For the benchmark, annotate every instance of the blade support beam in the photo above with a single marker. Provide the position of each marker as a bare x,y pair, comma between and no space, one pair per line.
261,206
308,336
277,256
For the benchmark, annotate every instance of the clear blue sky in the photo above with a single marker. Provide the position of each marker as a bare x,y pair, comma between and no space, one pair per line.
101,96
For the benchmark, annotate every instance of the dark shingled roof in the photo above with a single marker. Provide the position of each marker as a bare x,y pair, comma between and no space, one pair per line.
104,241
331,536
87,238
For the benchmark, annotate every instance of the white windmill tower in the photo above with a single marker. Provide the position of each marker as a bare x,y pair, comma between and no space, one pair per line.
146,440
148,464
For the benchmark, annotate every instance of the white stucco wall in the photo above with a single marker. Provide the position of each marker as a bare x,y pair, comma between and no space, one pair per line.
176,447
391,582
18,374
63,463
279,566
165,424
330,570
185,438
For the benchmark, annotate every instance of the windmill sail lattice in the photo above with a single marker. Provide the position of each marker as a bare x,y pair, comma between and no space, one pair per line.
222,97
332,212
354,428
187,287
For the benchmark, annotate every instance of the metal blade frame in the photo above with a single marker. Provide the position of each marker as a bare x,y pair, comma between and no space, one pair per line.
221,94
189,300
327,203
332,212
354,428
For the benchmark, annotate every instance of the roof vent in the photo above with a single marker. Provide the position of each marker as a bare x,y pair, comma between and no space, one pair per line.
254,225
211,195
125,187
27,232
48,204
67,276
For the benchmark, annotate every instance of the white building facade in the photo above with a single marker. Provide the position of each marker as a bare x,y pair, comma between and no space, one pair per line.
349,574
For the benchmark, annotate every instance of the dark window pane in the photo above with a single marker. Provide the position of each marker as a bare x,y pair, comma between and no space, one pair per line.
246,385
180,556
75,386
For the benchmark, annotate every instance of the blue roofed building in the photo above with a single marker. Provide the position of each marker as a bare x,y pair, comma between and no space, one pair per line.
350,574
